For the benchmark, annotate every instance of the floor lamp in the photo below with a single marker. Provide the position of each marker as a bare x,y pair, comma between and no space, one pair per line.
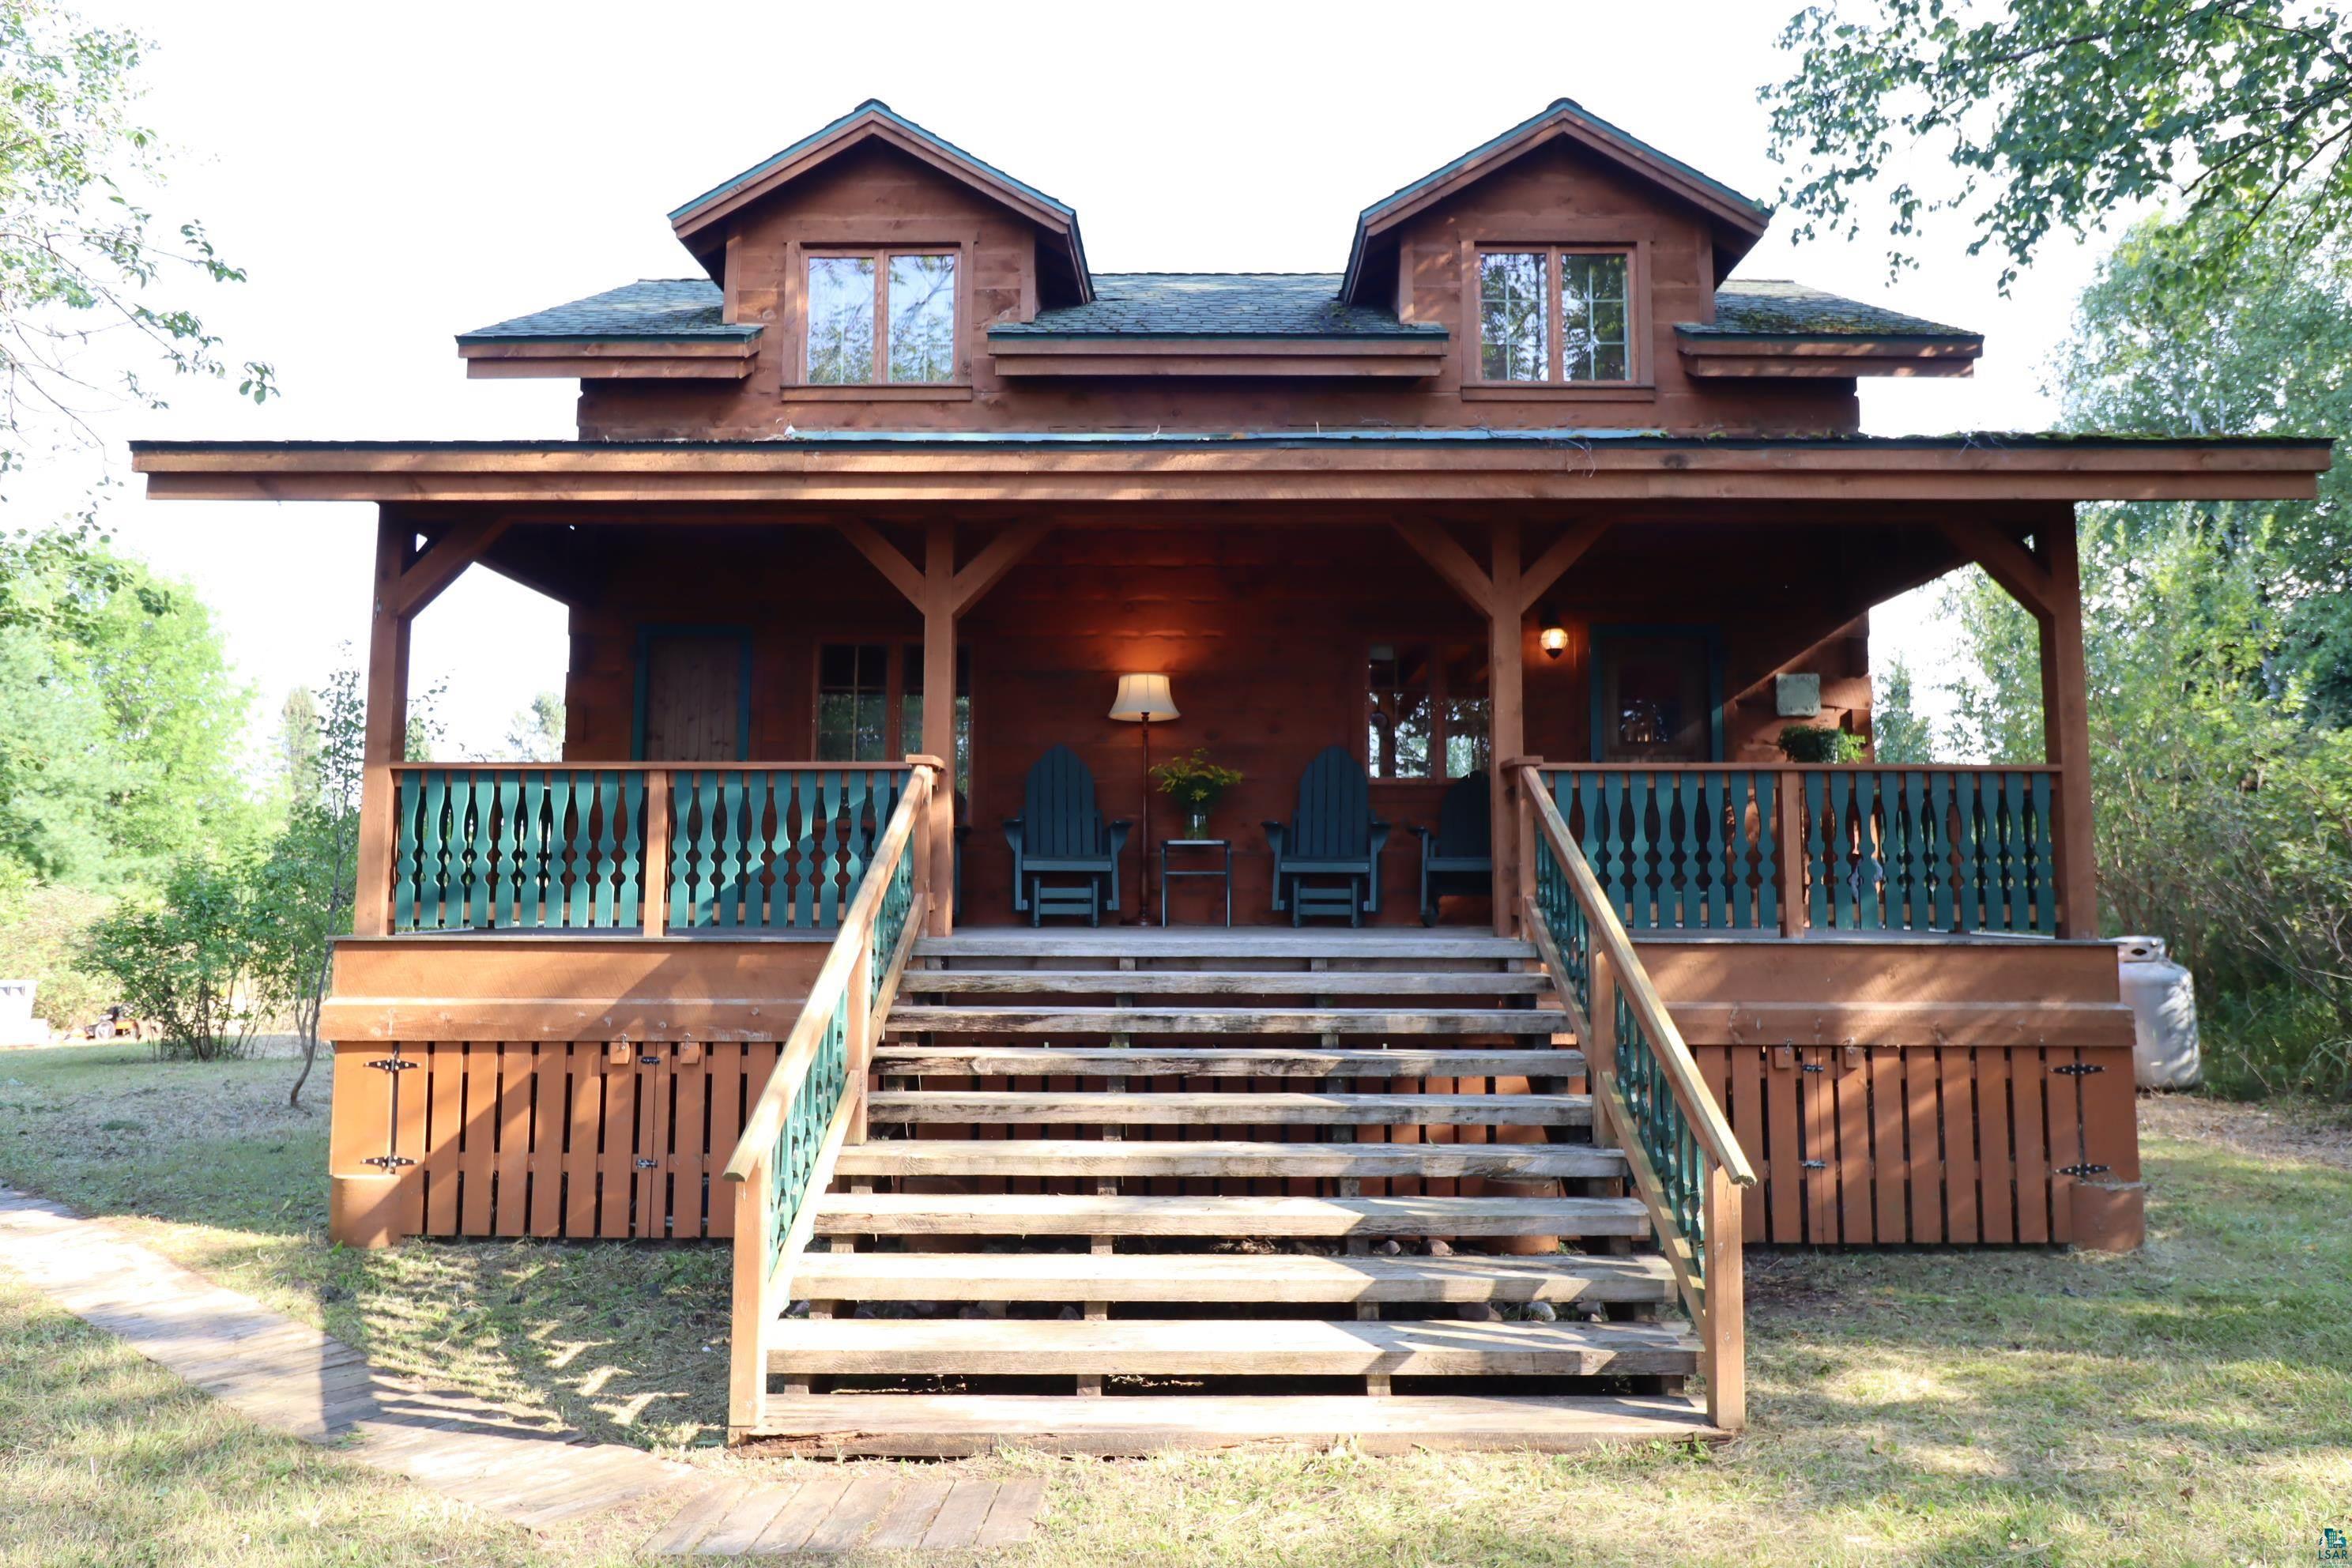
1140,700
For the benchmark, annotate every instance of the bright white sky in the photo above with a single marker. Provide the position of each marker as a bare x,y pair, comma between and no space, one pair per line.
393,176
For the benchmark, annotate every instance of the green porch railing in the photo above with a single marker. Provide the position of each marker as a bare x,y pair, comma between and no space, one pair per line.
1931,848
814,1099
483,848
1647,1093
1687,848
1714,847
772,849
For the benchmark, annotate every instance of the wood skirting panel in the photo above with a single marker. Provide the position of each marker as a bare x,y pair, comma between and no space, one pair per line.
1943,1145
570,1139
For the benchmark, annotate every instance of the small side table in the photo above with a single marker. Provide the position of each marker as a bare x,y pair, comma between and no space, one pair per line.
1223,872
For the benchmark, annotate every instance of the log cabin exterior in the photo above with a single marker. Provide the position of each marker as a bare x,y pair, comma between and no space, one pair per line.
1536,491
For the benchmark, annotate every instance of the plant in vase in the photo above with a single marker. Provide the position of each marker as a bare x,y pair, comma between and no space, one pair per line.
1196,785
1820,743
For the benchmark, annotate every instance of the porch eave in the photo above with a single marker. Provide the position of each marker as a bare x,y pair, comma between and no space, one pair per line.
1272,467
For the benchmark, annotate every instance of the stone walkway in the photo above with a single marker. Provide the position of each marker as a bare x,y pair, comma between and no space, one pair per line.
517,1465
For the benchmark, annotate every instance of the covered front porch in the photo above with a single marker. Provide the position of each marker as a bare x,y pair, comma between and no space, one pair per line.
744,691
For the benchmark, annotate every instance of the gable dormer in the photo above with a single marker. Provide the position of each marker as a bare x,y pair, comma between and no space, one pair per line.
873,276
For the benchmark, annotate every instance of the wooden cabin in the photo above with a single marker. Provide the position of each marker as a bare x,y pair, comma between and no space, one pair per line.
898,542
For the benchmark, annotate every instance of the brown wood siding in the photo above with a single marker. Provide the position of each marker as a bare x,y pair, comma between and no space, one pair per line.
878,195
1263,631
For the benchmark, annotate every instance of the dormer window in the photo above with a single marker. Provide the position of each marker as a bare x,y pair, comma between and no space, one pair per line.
881,316
1559,315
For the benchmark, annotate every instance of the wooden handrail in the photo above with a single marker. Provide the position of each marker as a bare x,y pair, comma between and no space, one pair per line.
656,764
1787,767
829,990
1706,1119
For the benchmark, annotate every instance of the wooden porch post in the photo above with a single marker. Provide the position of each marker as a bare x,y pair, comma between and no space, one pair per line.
938,606
2048,581
388,725
1506,721
2066,726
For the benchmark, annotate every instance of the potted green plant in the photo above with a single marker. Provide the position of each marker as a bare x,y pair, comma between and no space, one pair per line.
1195,784
1820,743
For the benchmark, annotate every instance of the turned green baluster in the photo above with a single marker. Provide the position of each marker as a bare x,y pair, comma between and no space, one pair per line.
2045,890
679,852
404,855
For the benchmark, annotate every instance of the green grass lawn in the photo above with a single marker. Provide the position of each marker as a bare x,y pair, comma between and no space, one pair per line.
2189,1404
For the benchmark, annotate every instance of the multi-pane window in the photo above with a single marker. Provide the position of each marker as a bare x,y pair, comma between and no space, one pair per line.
1428,712
882,316
1555,316
869,704
852,702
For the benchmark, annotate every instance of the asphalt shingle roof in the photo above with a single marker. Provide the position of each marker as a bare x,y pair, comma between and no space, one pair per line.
1213,304
649,308
1774,307
1206,304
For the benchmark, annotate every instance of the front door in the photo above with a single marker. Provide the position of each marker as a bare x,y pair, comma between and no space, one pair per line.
694,697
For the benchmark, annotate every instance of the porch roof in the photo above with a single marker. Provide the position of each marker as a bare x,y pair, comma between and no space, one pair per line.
1267,468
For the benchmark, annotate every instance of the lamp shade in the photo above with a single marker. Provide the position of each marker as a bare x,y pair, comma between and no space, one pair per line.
1143,697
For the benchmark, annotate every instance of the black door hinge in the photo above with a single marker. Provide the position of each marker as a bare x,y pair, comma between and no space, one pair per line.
2078,1069
2084,1170
650,1060
393,1064
645,1164
388,1162
1814,1164
1812,1067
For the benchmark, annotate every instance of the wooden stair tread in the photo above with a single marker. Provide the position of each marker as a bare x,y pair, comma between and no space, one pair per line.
1227,983
1231,1109
1226,1061
1224,1276
1162,1157
943,1425
914,1017
1051,1213
1264,1347
1214,941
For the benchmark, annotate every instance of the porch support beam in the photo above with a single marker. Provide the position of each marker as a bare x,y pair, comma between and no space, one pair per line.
941,595
1498,592
1566,551
939,607
444,560
387,722
2047,582
903,573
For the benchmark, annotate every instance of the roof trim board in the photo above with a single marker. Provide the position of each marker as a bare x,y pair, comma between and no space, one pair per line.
1742,215
875,120
1271,469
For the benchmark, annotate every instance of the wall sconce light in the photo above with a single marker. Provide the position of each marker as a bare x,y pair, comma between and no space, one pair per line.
1549,632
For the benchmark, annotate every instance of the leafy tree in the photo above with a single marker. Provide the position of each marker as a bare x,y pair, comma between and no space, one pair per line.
536,734
118,735
308,879
2055,114
186,961
81,258
1897,734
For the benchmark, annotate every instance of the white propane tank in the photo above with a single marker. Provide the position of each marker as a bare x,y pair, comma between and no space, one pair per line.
2163,1002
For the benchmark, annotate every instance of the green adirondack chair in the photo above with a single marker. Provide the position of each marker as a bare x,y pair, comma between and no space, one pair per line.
1459,857
1327,859
1065,856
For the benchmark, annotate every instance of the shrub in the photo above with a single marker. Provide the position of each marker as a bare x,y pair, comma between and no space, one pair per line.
186,963
42,933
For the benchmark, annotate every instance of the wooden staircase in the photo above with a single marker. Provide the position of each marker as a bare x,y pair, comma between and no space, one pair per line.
1129,1190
